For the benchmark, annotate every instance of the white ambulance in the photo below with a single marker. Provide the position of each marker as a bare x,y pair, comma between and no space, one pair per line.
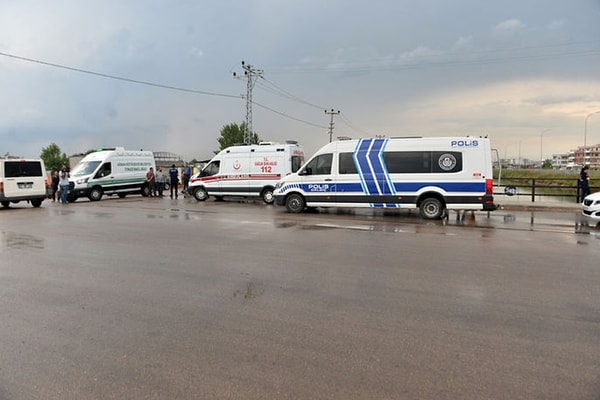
22,180
111,171
429,174
247,170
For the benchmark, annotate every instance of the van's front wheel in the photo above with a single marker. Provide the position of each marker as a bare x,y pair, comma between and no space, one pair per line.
95,194
267,195
295,203
431,208
200,194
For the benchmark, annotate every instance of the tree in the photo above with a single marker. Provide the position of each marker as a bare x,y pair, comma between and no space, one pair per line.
233,134
53,158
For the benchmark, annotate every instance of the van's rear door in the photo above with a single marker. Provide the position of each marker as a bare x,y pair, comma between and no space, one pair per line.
23,178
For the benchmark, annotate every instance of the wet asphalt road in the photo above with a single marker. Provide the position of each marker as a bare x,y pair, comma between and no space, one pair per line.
160,299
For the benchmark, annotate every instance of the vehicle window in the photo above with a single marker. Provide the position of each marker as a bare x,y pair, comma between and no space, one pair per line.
446,161
320,165
297,162
105,170
422,162
85,168
346,164
15,169
211,169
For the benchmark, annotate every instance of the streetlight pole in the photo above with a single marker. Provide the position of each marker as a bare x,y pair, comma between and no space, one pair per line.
585,134
541,153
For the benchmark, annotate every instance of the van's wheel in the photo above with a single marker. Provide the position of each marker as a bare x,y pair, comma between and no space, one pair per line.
5,204
295,203
166,186
267,195
200,194
95,194
431,208
145,190
36,203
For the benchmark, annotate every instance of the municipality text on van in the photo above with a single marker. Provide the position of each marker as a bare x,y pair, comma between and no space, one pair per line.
430,174
22,180
111,171
247,170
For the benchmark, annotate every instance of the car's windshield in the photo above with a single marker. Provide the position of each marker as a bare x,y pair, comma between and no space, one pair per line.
85,168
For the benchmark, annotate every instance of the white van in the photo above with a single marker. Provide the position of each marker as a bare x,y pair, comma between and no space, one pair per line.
247,170
111,171
22,180
431,174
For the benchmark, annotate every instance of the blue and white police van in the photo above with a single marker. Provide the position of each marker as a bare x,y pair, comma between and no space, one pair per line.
432,174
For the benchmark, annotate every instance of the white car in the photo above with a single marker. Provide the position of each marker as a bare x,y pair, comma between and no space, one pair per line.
590,208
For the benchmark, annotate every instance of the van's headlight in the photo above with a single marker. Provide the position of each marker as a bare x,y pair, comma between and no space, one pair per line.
81,181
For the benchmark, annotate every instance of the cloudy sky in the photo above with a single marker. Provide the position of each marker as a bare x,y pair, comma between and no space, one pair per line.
158,74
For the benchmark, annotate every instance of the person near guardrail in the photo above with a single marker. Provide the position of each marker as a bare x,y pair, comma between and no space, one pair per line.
584,181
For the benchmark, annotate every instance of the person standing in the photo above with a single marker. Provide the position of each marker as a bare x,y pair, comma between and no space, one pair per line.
187,174
150,179
55,180
584,181
174,177
160,181
63,181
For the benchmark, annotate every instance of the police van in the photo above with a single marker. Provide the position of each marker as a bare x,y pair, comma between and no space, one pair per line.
247,170
22,180
430,174
111,171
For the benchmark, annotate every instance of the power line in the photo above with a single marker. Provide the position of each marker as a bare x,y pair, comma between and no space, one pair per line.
351,126
387,64
159,85
273,88
288,116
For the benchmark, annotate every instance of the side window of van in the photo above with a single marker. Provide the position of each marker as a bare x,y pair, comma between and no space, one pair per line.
211,169
422,162
346,164
16,169
105,170
320,165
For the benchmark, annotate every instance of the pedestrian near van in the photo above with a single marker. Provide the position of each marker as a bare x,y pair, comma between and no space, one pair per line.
584,181
160,181
150,180
55,180
63,182
174,177
187,174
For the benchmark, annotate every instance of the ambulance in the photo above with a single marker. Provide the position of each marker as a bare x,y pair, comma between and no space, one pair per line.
111,171
247,170
432,175
22,180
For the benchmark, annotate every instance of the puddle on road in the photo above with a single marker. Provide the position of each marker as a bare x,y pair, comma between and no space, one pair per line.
12,240
250,291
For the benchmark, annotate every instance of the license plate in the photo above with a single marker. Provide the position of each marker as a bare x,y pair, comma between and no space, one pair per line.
25,185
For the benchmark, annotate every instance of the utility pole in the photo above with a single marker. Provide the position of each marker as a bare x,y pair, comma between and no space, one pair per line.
250,74
331,113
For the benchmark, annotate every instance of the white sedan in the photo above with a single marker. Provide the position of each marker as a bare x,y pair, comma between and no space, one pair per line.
590,207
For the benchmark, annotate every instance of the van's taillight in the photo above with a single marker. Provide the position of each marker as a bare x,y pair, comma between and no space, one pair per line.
1,187
489,186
